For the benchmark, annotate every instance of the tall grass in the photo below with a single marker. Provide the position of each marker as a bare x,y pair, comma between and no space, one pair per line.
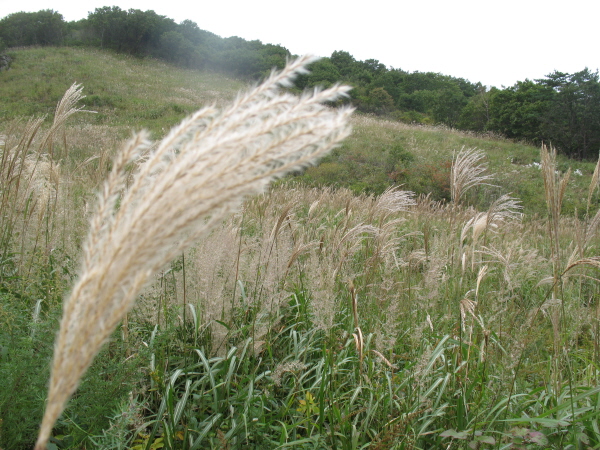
308,317
33,188
382,345
196,175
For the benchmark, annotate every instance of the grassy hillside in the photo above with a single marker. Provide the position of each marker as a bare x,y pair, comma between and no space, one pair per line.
419,158
130,93
126,92
352,317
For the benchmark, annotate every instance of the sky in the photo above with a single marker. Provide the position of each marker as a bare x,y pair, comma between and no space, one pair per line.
493,42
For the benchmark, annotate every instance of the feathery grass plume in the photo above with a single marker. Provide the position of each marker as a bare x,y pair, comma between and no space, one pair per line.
593,261
519,263
554,191
29,174
65,109
467,171
504,209
593,184
554,184
394,200
186,184
12,197
483,270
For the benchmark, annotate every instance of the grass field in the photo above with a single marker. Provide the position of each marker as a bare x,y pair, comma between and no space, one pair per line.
343,309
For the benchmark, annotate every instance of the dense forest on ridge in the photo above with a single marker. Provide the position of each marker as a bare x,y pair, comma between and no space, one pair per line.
562,109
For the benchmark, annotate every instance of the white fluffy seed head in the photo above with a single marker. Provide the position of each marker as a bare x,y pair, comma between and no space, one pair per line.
198,173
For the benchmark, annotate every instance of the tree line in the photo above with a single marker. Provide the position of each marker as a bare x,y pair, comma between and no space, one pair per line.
562,109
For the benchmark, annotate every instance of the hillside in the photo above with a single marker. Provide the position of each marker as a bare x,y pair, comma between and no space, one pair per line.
306,316
125,91
561,108
131,93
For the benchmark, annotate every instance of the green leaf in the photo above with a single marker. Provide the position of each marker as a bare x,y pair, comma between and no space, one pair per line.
220,322
538,438
455,434
550,423
485,439
519,432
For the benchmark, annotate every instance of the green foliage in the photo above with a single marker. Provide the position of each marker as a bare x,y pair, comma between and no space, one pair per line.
571,123
25,351
134,31
517,112
431,178
379,101
344,62
322,73
561,109
446,105
475,115
26,345
46,27
412,117
144,33
119,98
424,373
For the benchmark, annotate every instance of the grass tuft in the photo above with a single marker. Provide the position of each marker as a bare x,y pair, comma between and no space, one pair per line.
185,186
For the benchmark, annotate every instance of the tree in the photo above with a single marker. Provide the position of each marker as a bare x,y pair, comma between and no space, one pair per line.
143,30
175,48
46,27
562,109
475,115
275,56
322,73
380,101
134,31
392,81
446,105
108,26
519,112
344,62
373,66
572,121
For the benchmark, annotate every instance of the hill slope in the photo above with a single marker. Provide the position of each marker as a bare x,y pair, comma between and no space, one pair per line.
130,93
313,318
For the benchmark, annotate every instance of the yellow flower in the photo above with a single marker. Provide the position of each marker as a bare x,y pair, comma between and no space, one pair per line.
308,405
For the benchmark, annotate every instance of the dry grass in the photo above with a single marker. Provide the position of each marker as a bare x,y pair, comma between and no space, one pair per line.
468,171
554,189
34,197
186,185
384,278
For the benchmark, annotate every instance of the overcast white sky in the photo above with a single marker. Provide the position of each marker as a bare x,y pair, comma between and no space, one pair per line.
495,42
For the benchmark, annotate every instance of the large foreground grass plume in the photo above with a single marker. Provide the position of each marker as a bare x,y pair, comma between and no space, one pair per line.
184,185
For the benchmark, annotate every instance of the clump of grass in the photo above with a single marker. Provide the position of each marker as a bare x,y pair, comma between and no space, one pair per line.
468,171
316,315
554,189
30,181
186,184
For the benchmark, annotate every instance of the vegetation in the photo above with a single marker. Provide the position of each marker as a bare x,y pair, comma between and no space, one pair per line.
208,163
315,317
378,155
561,109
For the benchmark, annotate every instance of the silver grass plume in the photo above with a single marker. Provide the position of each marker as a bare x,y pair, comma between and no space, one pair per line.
467,172
185,185
555,186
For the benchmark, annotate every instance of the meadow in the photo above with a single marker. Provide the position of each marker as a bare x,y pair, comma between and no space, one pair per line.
421,288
